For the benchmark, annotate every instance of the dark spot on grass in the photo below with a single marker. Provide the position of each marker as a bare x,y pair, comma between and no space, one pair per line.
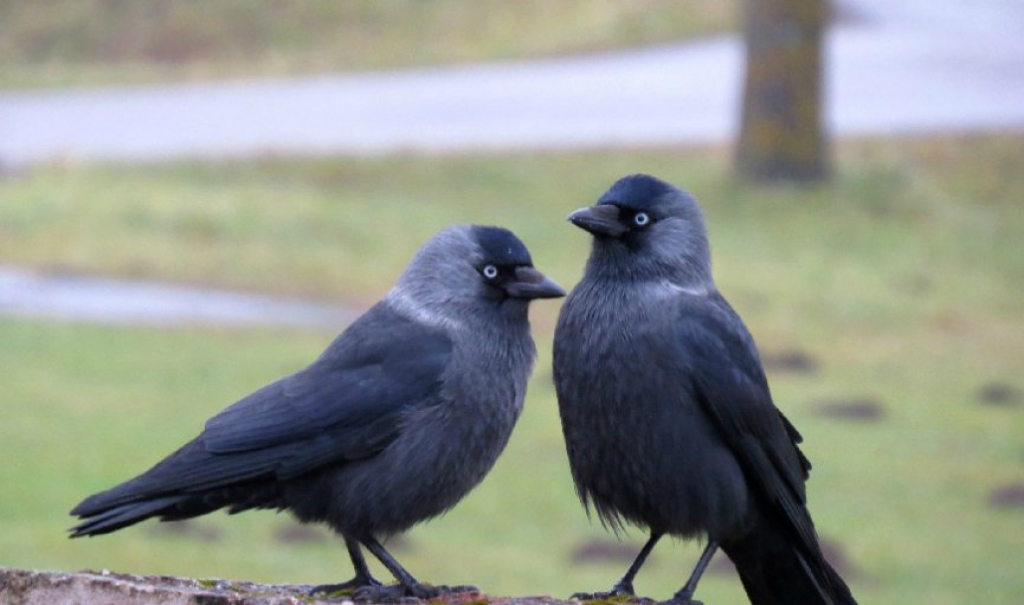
721,565
1007,496
916,284
837,558
795,361
188,528
999,394
293,533
857,410
545,379
594,551
398,543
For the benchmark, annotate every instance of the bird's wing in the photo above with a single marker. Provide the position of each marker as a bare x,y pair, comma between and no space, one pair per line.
348,404
730,387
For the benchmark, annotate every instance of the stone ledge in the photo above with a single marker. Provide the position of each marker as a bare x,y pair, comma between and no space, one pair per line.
29,587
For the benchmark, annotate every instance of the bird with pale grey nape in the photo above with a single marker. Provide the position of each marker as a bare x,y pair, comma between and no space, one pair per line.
397,420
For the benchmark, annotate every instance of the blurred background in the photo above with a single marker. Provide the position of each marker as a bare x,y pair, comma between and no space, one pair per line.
195,197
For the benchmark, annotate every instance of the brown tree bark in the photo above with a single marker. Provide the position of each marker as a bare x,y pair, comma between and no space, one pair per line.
782,136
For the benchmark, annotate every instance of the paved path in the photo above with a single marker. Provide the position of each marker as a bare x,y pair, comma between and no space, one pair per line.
78,298
893,66
896,66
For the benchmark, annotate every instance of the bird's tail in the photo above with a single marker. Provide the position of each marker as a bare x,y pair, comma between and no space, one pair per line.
97,520
135,501
156,493
188,483
777,570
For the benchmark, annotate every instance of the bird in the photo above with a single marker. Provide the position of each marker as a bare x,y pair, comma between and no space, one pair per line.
400,417
668,420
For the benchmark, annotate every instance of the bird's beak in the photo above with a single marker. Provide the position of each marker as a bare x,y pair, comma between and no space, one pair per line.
600,220
531,283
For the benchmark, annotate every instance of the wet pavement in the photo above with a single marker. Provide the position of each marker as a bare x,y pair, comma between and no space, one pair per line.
913,66
892,67
29,294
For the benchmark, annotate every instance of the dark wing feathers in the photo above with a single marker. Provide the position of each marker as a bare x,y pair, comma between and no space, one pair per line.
372,371
733,392
347,405
305,405
797,438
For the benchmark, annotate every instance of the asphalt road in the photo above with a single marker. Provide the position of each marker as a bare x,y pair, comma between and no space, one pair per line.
892,67
80,298
902,66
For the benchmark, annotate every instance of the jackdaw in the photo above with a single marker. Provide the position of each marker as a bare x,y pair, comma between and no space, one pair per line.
397,420
668,421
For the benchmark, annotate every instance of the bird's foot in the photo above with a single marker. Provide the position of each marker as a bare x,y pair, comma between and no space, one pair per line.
402,593
682,598
619,591
345,588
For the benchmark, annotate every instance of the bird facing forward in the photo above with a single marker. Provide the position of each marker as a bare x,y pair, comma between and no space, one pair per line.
667,416
397,420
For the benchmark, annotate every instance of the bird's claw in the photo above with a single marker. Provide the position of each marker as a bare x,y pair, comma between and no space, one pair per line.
401,593
619,590
682,599
391,593
461,589
345,588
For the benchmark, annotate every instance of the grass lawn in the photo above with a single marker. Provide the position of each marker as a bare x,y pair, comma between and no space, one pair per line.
89,42
900,283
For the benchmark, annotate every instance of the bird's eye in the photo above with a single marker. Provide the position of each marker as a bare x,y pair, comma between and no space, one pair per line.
490,271
641,219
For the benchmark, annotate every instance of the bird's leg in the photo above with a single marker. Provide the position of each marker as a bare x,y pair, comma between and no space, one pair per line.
362,579
408,585
685,594
624,587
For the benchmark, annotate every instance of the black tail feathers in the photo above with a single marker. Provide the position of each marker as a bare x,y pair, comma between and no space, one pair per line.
105,520
141,498
776,570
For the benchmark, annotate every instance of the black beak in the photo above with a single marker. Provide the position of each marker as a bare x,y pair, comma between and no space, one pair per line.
601,220
531,283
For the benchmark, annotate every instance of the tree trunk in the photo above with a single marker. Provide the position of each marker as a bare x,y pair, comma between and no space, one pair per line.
781,133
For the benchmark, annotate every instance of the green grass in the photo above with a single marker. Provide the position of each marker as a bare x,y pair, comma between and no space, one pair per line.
903,279
88,42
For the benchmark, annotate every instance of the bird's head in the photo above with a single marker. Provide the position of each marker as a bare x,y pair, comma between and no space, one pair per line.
644,228
467,267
